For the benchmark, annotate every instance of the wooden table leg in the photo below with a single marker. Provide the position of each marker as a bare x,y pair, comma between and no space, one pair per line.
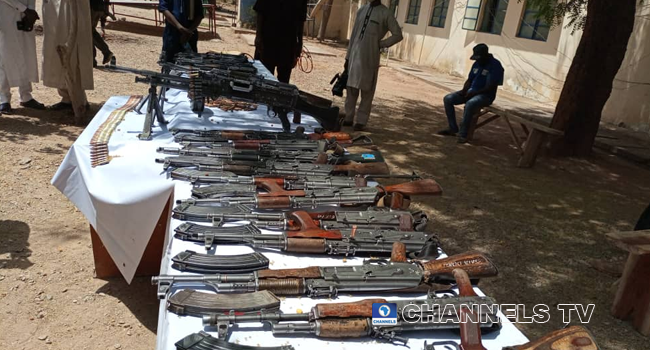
513,134
633,294
149,265
531,149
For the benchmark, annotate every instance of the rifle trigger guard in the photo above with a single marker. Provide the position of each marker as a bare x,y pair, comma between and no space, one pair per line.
209,240
447,344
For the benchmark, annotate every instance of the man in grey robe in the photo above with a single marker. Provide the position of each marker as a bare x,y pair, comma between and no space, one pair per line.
372,23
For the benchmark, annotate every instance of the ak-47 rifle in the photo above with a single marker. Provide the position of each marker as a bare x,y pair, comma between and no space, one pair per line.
373,276
204,341
394,196
373,217
313,239
353,320
254,136
272,167
278,155
288,145
222,83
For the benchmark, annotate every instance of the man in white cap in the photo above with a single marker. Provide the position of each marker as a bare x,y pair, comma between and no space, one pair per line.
373,21
18,66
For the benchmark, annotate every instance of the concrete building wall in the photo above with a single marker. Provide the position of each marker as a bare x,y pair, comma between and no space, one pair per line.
337,26
534,69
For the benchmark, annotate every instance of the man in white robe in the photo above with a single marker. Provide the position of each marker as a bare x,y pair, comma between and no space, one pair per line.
67,24
372,23
18,66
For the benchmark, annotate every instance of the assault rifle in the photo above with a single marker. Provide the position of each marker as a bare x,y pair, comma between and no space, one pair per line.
220,83
181,135
289,145
394,196
313,239
272,167
204,341
372,217
271,154
353,320
373,276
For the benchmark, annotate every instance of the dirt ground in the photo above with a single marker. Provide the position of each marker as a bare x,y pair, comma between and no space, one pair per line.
544,227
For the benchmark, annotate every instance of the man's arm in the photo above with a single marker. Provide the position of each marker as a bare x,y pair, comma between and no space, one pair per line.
395,33
198,15
495,78
163,7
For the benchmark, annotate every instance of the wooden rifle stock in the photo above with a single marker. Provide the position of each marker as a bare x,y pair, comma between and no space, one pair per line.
362,168
361,308
414,188
470,329
309,229
571,338
476,265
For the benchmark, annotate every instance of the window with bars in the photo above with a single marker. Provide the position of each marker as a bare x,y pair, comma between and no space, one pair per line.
413,12
532,26
493,16
485,15
439,14
394,4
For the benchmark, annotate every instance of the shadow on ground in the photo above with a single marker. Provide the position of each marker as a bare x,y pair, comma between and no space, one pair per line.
14,242
544,227
139,297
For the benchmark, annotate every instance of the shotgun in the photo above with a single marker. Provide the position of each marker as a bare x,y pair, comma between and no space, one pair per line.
354,320
372,217
315,240
374,275
272,167
394,196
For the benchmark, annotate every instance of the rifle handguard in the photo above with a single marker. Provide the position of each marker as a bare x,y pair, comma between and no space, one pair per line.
345,328
362,308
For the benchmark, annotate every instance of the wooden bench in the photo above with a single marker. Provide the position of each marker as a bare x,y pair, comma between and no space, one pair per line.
536,133
633,294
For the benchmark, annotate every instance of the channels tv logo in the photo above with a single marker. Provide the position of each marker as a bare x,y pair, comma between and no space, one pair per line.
384,314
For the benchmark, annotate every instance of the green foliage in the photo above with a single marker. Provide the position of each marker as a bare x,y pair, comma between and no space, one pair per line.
554,12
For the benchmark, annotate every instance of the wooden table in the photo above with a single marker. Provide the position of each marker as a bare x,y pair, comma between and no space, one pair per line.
633,295
536,133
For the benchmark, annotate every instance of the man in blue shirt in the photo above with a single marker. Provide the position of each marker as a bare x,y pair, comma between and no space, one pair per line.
479,91
182,19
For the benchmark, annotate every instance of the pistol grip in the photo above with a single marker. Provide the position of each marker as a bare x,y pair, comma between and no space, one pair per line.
309,229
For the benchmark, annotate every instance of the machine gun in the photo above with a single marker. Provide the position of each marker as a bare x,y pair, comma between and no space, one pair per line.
353,320
217,83
394,196
310,238
372,217
373,276
272,167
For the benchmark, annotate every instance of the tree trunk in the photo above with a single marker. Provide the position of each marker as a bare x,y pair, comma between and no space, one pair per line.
327,10
588,84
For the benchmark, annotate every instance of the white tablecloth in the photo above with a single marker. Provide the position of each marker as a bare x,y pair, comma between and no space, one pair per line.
124,199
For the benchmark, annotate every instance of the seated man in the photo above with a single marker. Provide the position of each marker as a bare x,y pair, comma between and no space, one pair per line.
479,91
